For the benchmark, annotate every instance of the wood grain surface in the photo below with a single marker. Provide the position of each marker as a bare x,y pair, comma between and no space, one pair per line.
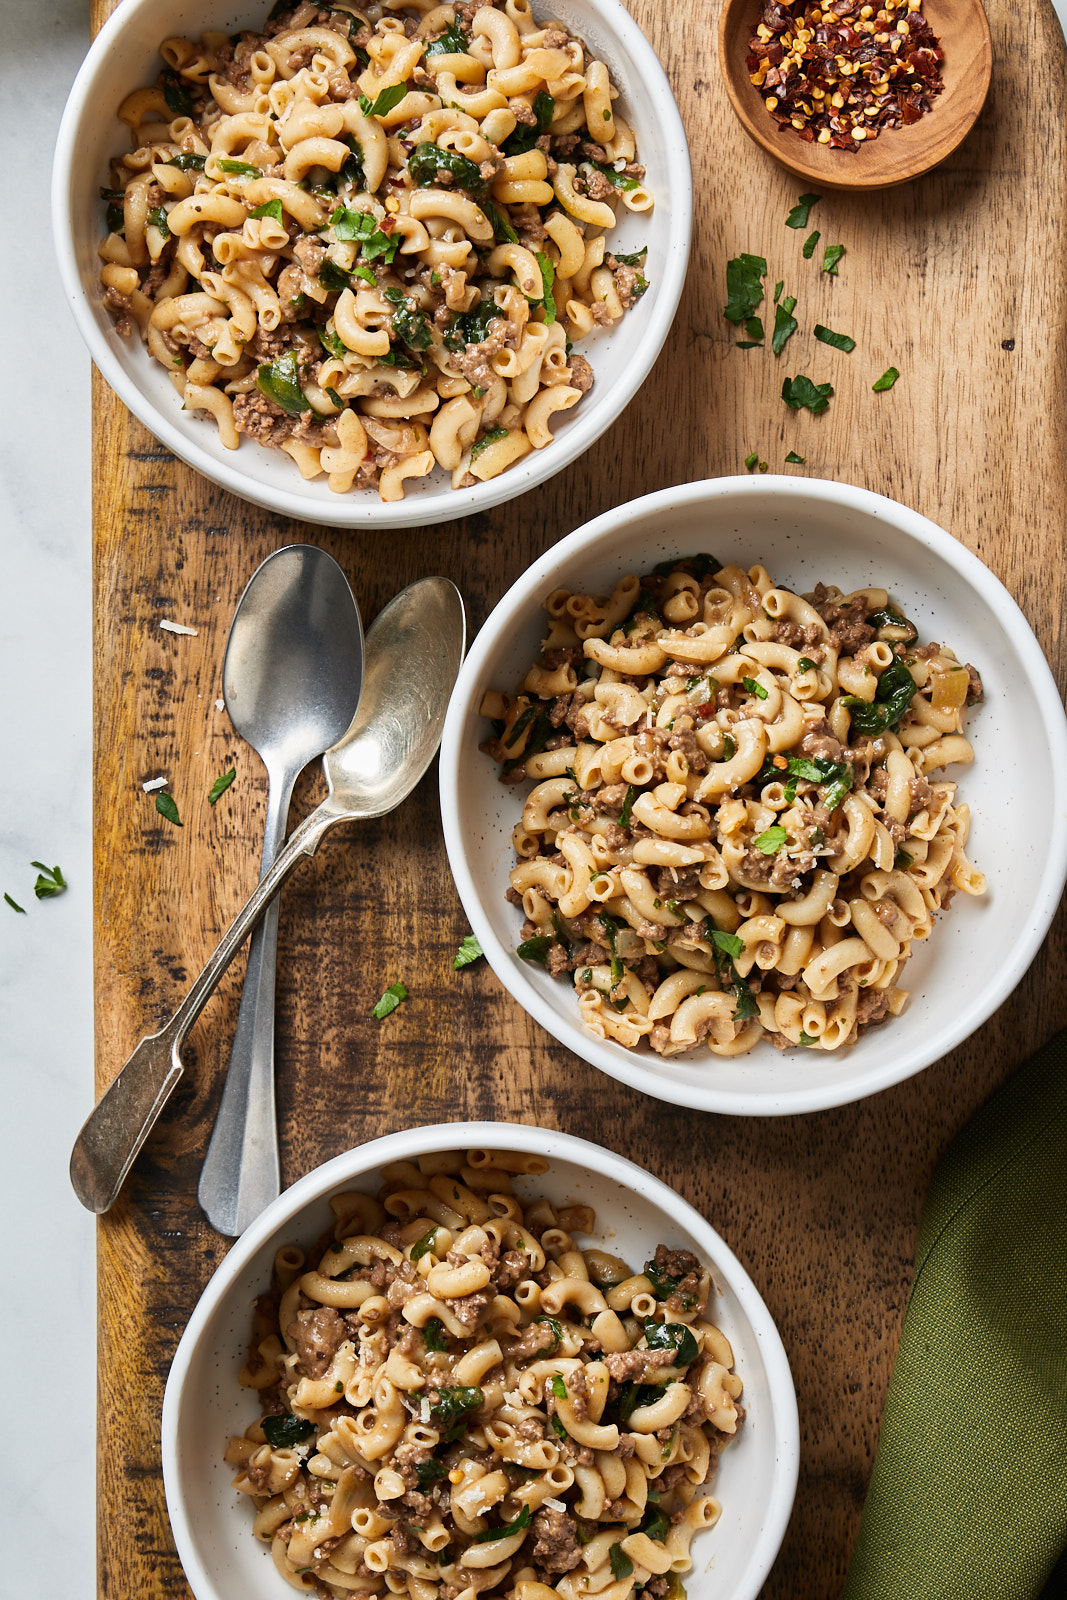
958,281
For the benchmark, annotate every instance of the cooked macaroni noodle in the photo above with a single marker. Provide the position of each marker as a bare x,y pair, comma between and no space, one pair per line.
735,831
369,236
457,1400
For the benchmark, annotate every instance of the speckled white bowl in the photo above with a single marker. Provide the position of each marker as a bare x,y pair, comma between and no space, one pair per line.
802,530
125,55
204,1404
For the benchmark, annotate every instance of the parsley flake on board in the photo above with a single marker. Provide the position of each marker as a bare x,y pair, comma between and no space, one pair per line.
754,329
801,391
839,341
468,953
50,881
220,786
389,1001
779,286
15,905
750,461
785,324
831,256
798,217
886,381
792,459
809,245
167,808
744,291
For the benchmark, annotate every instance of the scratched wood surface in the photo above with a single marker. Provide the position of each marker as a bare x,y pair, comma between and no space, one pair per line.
958,280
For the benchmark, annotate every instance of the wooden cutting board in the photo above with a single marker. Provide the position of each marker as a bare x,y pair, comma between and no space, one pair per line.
958,280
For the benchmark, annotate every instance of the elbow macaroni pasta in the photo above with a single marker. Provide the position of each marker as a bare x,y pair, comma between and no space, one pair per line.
480,1406
735,831
394,214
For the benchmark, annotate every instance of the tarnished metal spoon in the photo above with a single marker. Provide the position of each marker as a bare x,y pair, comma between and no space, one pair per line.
291,679
413,653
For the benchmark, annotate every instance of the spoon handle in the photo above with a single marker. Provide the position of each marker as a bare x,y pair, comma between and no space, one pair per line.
126,1112
242,1173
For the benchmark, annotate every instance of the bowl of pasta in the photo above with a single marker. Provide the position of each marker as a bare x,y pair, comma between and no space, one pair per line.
373,265
780,821
484,1358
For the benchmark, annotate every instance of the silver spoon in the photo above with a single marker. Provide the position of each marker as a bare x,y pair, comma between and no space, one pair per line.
413,653
291,679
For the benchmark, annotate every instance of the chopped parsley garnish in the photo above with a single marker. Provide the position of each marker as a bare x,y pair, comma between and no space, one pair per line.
269,208
188,161
754,329
627,806
525,135
176,93
411,324
389,1001
902,861
535,949
453,1404
611,929
470,327
166,807
894,694
792,459
492,437
755,687
798,217
557,1427
800,391
886,381
423,1246
804,663
621,1565
728,943
771,840
220,786
559,1388
663,1285
809,245
839,341
503,232
468,953
548,278
785,324
239,169
729,747
890,617
619,179
806,1040
744,291
427,1472
636,259
655,1522
280,381
50,881
385,102
362,226
433,1335
158,219
629,1397
427,161
284,1430
453,42
672,1336
556,1328
15,905
830,257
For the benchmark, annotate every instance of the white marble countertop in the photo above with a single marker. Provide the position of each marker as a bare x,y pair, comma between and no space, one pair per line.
45,814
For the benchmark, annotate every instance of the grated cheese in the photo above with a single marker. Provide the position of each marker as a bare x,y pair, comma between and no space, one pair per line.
177,627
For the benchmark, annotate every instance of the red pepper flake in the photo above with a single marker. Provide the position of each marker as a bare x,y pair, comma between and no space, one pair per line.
707,710
839,73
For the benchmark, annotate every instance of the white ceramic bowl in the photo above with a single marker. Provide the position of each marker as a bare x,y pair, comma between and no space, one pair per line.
125,55
204,1403
802,530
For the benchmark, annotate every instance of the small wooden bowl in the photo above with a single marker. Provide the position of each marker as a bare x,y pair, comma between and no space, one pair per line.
898,154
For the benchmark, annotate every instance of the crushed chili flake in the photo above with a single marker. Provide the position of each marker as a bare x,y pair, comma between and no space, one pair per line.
839,73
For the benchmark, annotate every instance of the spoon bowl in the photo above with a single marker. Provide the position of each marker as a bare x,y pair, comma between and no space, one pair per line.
291,678
413,654
898,154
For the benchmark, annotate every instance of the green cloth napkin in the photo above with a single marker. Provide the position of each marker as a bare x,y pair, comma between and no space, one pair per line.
968,1497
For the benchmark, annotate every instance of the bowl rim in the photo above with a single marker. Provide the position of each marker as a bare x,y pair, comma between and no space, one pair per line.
527,593
352,1164
444,504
